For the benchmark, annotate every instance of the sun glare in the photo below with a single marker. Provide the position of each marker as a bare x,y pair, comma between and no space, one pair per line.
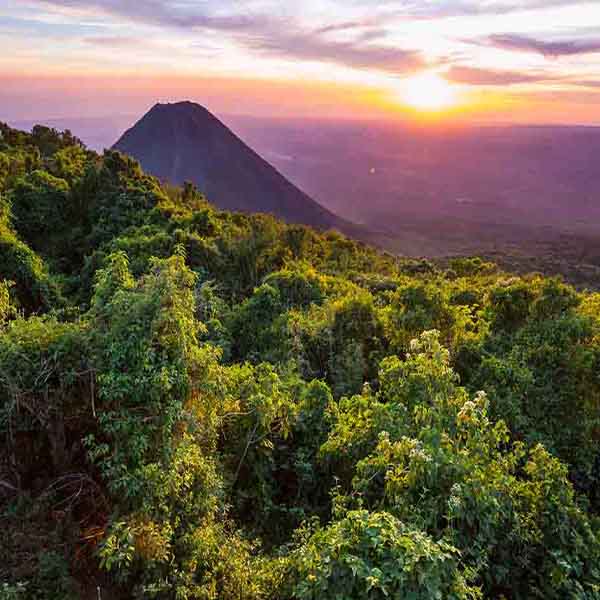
429,92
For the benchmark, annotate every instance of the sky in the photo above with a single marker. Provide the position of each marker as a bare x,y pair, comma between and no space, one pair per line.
523,61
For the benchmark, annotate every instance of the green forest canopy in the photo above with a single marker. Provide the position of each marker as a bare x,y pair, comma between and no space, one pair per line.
197,404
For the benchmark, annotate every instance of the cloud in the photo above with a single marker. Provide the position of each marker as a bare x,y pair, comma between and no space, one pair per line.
116,42
357,25
441,9
313,46
186,14
240,15
554,49
265,33
356,42
367,30
505,6
585,83
475,76
566,98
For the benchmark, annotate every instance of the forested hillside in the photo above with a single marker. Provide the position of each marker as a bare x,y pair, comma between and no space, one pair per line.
198,404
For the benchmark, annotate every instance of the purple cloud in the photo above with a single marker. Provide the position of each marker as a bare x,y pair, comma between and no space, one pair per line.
264,33
521,43
185,15
475,76
116,42
317,47
277,36
442,9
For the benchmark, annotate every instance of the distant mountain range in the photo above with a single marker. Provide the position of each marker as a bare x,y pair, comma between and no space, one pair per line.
185,142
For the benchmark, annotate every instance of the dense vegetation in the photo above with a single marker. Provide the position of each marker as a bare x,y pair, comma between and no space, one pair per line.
197,404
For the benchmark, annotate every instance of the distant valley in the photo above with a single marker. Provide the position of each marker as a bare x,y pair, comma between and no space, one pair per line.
525,197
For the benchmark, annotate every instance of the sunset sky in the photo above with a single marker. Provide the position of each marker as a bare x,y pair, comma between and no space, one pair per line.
503,60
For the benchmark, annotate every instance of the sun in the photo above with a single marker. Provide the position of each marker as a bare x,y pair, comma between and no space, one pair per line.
428,92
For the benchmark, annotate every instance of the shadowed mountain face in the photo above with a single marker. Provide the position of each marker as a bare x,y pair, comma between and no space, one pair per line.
184,142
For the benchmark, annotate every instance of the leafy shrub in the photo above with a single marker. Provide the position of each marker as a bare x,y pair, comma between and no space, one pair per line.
375,556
